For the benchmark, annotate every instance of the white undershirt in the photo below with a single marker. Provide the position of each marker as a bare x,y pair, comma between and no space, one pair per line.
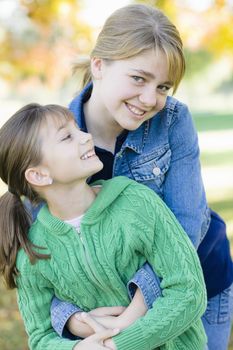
76,222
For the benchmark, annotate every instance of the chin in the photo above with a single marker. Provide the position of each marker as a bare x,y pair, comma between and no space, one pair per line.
132,127
100,166
97,168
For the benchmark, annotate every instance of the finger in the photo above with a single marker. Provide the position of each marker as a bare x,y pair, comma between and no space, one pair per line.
78,317
107,311
105,334
97,327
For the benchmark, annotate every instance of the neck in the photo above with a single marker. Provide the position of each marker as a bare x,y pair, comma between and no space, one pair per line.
100,123
68,202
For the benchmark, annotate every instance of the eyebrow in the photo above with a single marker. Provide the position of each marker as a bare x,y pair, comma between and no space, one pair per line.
150,75
63,126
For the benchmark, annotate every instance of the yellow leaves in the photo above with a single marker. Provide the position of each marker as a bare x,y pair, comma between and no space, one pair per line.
44,45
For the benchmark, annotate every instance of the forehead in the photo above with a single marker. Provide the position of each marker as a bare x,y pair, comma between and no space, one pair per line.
152,61
53,122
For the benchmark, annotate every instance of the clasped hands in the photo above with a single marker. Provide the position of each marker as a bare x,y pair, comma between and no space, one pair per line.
97,327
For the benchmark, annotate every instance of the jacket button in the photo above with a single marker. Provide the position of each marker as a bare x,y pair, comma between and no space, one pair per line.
156,171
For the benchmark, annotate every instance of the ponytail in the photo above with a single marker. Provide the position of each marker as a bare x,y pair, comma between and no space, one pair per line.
83,65
14,226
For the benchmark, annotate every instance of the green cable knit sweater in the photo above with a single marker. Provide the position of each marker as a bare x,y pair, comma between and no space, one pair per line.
126,225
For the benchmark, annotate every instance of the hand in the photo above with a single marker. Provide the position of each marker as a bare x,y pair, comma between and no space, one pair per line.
107,311
107,316
108,321
109,343
79,328
97,341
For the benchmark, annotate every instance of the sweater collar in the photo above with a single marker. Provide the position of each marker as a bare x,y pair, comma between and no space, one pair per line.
110,191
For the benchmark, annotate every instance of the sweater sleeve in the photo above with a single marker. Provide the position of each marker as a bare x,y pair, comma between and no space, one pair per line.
168,249
34,299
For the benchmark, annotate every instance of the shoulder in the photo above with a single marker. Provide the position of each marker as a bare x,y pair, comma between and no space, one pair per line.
36,232
174,106
174,111
138,195
36,238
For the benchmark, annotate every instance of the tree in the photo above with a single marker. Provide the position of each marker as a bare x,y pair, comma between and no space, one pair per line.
48,32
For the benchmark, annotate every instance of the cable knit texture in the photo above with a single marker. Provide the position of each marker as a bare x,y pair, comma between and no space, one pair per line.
126,225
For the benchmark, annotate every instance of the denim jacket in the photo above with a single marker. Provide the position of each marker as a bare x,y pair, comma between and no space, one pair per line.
163,154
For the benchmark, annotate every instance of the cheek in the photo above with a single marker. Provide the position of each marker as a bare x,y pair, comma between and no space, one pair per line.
161,102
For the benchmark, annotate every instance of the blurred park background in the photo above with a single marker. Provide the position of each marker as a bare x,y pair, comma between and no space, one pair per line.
39,42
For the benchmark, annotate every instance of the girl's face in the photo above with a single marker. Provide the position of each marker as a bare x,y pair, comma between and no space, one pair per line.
132,90
67,152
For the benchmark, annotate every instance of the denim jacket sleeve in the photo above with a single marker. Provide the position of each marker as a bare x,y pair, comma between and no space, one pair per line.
60,312
147,281
183,189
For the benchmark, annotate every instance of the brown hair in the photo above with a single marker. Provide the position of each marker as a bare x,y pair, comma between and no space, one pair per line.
20,148
133,29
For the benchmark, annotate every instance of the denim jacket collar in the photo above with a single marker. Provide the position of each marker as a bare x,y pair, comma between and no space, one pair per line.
136,139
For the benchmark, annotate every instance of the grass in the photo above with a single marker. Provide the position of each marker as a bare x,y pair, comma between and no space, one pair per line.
210,122
12,334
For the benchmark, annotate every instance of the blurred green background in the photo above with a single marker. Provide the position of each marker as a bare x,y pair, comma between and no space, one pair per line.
39,42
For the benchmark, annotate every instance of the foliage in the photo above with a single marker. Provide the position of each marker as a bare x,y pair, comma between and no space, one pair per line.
45,35
196,61
207,34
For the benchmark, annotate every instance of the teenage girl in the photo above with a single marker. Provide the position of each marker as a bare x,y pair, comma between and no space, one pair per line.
142,133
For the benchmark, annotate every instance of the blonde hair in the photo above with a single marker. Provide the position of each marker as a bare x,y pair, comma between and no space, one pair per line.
133,29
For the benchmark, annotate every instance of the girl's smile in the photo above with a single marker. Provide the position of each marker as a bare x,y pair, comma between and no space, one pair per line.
137,112
88,154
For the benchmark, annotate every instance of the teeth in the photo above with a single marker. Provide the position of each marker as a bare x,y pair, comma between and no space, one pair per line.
87,155
135,110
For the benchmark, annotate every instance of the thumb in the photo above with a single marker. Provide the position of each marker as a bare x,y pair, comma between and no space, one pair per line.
91,322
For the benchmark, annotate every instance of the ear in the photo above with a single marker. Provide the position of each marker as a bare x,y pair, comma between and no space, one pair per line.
38,177
96,67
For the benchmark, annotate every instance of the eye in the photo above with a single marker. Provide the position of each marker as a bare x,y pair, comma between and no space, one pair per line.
164,88
138,79
67,137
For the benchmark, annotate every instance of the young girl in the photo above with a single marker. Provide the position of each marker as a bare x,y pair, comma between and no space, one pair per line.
142,133
88,241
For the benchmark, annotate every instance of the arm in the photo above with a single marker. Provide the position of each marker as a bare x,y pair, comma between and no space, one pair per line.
183,190
113,317
135,310
66,319
34,299
167,248
63,320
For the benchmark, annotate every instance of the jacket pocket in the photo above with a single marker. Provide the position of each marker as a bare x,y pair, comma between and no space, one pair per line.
152,166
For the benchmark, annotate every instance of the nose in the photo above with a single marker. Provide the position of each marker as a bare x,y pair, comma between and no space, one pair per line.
148,97
84,137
